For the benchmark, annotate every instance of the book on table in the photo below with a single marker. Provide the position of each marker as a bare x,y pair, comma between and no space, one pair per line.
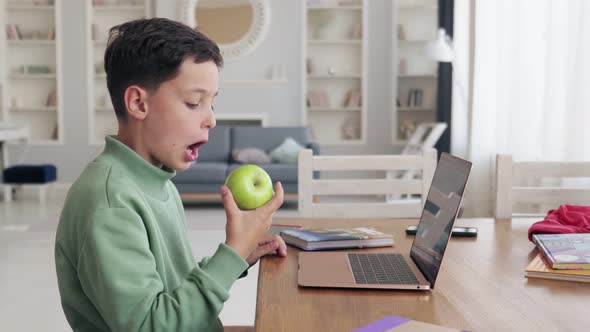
538,268
336,238
565,251
396,323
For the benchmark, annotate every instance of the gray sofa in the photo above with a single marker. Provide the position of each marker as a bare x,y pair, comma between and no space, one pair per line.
215,161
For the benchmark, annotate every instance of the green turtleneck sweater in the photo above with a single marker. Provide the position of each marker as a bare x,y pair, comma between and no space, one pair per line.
123,259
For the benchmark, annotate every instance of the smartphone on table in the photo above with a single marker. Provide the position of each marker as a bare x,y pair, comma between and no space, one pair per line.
458,231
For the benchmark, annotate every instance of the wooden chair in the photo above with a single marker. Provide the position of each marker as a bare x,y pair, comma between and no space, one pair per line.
311,205
425,136
508,194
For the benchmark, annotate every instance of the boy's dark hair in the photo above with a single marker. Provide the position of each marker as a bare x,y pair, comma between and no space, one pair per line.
148,52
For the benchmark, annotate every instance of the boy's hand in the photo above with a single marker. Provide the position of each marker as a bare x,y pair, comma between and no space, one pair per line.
270,244
244,230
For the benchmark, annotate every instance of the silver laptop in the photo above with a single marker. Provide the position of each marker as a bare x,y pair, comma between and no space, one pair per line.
416,270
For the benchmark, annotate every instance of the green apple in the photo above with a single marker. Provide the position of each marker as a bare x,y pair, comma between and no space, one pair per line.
250,185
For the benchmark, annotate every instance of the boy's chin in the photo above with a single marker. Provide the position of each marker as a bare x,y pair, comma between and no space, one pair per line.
183,166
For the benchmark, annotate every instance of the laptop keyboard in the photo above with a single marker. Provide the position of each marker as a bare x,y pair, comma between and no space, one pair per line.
383,269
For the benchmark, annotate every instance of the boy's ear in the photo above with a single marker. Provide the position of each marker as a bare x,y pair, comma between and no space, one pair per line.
135,102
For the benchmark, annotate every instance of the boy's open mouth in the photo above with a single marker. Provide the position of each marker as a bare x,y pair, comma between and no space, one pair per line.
192,151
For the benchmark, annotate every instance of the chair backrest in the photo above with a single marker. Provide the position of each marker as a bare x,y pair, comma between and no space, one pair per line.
425,136
507,194
312,205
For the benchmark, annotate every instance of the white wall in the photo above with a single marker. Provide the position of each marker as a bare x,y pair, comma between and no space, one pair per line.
281,103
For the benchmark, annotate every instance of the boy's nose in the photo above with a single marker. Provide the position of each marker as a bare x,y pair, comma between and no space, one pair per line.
211,123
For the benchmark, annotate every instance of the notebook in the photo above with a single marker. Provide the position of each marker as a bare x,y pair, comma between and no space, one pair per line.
336,238
414,270
565,251
538,269
400,324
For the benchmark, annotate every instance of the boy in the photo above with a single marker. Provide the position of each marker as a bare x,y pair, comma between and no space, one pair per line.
122,256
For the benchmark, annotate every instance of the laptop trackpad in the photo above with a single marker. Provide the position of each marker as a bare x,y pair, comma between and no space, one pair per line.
324,269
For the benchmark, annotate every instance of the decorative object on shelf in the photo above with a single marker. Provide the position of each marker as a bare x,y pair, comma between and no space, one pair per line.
319,20
237,34
309,66
99,68
94,31
351,128
349,3
407,128
331,70
33,69
401,32
54,134
51,98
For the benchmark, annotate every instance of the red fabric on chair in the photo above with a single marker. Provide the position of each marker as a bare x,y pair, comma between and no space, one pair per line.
566,219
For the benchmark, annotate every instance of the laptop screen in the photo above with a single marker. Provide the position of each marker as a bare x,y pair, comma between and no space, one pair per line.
438,215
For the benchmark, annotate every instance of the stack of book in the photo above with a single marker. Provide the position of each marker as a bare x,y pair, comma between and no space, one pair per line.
561,257
336,238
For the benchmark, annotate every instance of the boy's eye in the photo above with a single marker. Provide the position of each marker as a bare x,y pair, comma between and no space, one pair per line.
191,105
212,108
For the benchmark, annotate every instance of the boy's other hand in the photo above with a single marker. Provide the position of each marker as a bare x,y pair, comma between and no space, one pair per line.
271,243
245,230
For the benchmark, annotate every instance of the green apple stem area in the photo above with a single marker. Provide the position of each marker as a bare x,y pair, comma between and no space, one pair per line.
250,186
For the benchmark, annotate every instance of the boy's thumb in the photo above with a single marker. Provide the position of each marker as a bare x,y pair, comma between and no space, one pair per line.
228,200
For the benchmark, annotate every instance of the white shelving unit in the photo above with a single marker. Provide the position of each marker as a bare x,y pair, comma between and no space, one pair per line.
335,87
32,90
102,15
415,24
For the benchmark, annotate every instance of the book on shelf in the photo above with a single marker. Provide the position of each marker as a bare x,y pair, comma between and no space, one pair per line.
565,251
415,97
396,323
353,98
539,268
13,32
317,99
336,238
356,32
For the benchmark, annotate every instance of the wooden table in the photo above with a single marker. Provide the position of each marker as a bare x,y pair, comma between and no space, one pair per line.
481,287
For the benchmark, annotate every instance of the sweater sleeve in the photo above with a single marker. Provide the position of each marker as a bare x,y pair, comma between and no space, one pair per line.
118,273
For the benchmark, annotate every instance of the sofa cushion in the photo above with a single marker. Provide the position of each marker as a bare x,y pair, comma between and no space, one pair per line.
217,148
251,156
200,172
277,172
267,138
287,152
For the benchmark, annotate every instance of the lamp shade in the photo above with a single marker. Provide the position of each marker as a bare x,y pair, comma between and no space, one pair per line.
441,49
